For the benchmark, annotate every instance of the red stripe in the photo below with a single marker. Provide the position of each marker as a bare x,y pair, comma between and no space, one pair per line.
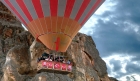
69,6
91,11
57,43
24,9
81,10
38,8
53,7
17,14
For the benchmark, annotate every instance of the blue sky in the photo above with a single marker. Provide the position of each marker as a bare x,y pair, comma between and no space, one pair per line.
115,28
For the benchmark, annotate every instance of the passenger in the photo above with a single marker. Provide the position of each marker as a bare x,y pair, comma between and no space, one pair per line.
64,61
68,62
57,59
47,59
45,56
52,57
61,59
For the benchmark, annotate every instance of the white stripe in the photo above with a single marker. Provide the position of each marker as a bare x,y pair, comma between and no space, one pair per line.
90,5
31,9
51,24
12,11
70,27
34,31
43,32
46,11
66,25
75,31
16,16
40,26
46,25
56,24
75,27
61,25
37,28
76,8
45,7
61,7
17,7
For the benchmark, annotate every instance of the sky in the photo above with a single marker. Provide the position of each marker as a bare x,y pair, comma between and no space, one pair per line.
115,28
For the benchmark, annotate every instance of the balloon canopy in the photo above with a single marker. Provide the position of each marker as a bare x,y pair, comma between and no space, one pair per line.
53,22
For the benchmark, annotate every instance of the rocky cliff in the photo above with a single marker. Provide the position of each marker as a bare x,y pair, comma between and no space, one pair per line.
19,52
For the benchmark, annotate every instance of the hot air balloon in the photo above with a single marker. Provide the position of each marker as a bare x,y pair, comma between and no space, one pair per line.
53,22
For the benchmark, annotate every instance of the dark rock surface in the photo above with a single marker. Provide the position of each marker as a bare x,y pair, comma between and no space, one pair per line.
113,79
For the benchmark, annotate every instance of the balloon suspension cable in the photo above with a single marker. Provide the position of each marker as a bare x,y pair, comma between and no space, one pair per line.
64,57
57,46
53,63
57,42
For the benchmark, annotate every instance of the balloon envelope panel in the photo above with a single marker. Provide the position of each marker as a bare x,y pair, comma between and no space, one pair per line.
49,20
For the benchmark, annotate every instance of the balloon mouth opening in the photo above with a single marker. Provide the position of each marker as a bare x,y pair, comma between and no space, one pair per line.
55,41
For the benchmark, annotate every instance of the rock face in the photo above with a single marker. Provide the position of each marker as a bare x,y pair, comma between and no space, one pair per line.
21,62
17,64
113,79
19,52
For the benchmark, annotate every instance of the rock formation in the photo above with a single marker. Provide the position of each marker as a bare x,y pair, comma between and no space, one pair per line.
19,52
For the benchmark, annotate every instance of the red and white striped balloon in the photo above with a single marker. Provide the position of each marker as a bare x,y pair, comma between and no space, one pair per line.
53,22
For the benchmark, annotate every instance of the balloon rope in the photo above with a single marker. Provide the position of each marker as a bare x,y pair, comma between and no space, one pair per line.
54,66
57,48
